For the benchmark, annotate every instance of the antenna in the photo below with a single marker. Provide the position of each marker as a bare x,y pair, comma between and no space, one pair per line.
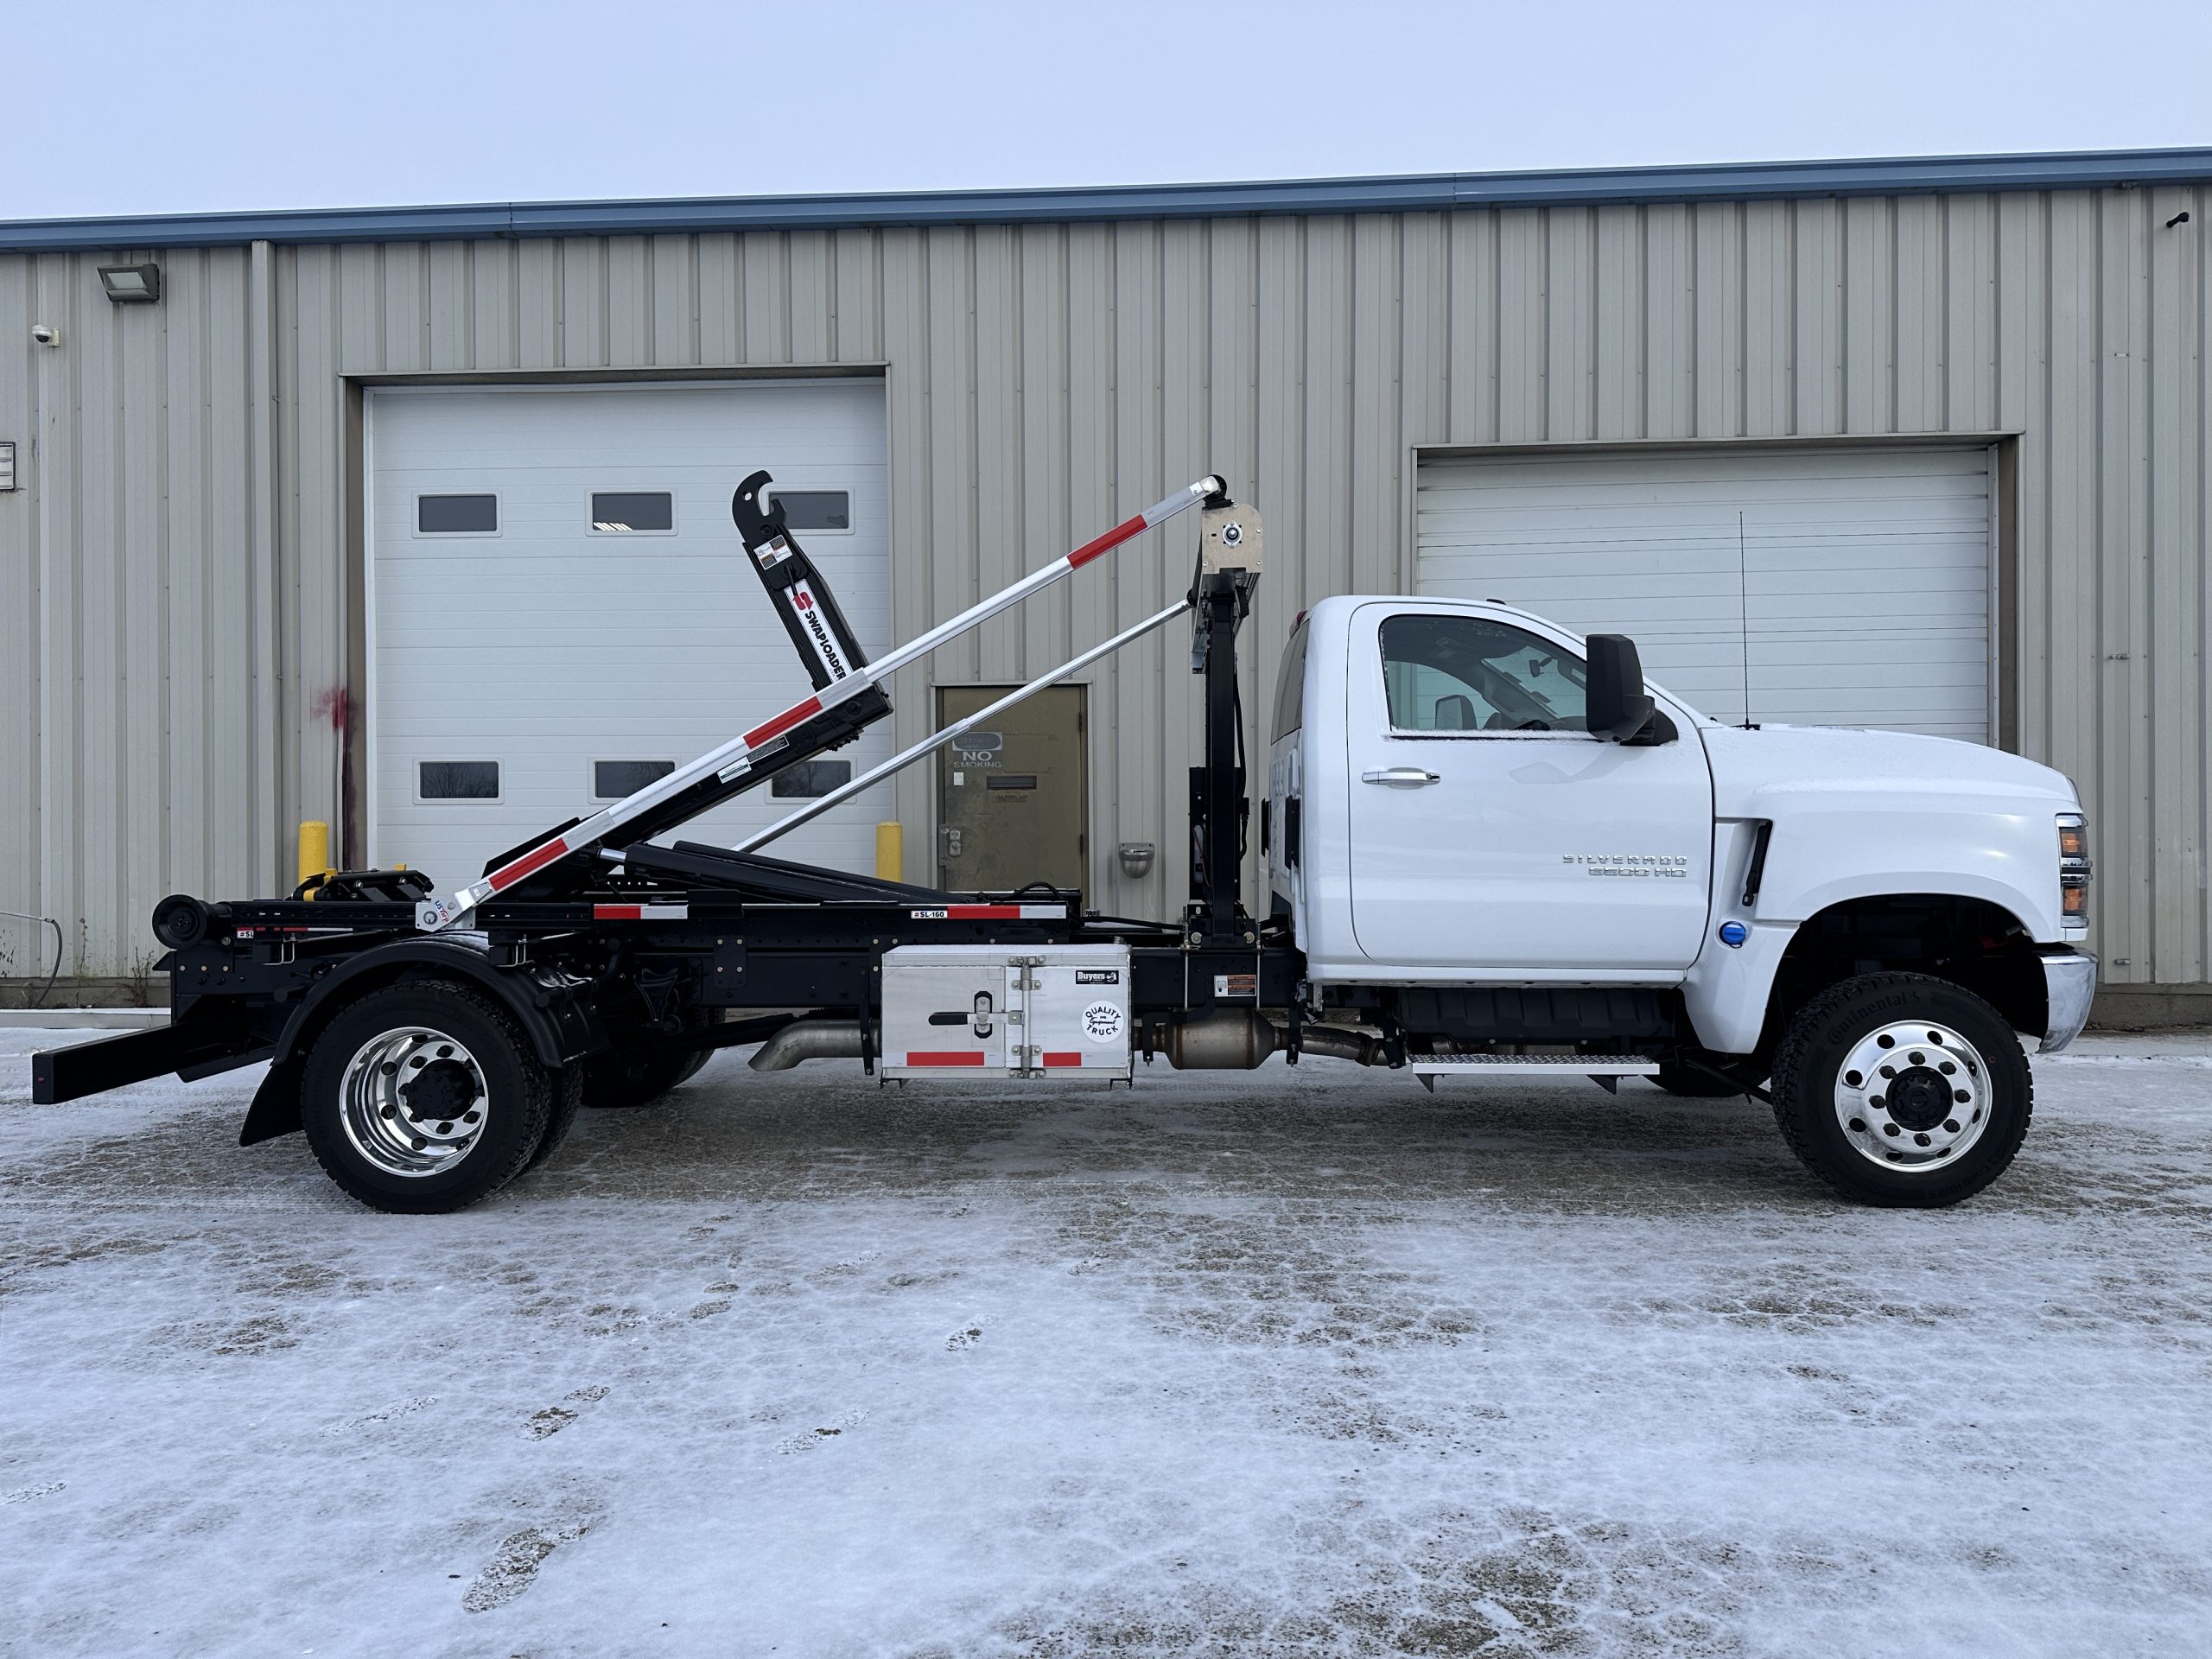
1743,611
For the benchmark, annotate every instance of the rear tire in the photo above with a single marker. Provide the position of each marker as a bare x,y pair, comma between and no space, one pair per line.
424,1098
1903,1091
568,1095
620,1078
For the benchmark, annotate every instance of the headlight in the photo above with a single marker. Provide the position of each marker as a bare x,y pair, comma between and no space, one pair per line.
2075,869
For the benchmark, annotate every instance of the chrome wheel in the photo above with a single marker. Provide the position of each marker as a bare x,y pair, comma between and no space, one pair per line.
1912,1096
412,1101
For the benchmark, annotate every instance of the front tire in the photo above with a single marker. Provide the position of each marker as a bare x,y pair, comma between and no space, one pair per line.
424,1098
1903,1091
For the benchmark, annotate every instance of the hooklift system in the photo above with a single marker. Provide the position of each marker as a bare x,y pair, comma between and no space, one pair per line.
618,965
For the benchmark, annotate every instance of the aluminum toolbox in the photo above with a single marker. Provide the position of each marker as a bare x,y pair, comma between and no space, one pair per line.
1006,1011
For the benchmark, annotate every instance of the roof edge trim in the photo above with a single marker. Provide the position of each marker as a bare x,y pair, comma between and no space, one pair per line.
1729,181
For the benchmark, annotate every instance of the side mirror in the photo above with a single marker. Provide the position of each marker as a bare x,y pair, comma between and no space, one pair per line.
1616,704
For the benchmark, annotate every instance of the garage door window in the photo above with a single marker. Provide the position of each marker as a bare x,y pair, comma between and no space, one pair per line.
811,778
456,515
457,780
616,781
1468,674
632,513
815,509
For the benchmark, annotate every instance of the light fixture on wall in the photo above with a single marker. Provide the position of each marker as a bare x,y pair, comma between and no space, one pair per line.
131,283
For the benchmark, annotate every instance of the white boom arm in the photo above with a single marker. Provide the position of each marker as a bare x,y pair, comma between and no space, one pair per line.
735,757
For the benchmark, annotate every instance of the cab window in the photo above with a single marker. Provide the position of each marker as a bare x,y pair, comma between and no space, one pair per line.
1290,685
1446,674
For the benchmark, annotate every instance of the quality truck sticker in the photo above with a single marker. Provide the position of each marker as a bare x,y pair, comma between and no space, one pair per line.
1102,1022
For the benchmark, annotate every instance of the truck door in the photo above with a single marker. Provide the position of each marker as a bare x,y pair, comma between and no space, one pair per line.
1490,833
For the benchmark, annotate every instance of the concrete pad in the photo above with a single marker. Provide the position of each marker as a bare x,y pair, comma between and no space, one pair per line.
1301,1361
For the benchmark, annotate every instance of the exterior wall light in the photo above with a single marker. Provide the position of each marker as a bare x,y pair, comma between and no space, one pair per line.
130,283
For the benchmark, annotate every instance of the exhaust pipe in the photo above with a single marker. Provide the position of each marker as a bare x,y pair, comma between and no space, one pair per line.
808,1040
1232,1041
1339,1044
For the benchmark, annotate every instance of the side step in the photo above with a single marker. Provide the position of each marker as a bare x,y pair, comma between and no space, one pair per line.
1604,1070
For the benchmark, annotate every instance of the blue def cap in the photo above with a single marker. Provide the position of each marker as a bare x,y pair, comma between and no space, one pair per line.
1733,934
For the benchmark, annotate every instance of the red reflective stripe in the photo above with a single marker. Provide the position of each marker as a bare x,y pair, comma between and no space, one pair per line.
983,912
1112,538
946,1057
618,913
783,723
536,859
1063,1056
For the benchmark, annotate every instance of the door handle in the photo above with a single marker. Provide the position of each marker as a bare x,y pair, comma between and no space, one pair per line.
1400,777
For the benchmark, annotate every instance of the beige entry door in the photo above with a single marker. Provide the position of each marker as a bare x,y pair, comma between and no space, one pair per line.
1013,795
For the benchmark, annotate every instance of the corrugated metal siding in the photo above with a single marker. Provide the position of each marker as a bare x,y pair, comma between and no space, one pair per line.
1043,379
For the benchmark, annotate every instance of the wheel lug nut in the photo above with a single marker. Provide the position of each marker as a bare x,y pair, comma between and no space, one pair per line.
1918,1058
445,1128
1921,1138
1947,1068
1951,1126
420,1143
391,1111
471,1117
1890,1128
1876,1100
390,1067
1889,1071
1961,1095
418,1060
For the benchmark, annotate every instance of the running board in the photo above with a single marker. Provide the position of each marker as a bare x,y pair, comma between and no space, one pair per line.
1604,1070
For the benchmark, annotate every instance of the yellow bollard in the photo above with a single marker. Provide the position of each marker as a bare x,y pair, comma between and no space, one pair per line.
314,848
890,853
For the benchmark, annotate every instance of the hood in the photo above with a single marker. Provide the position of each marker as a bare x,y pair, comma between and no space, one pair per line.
1760,773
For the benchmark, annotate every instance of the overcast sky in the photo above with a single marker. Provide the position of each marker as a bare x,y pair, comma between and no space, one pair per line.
122,107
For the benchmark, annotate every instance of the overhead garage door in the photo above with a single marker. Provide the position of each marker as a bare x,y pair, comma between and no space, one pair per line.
1861,575
561,607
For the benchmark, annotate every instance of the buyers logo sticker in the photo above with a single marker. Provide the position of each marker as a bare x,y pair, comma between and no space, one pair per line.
1102,1022
1097,975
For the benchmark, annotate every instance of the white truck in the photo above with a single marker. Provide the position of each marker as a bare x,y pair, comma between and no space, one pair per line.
1487,829
1491,850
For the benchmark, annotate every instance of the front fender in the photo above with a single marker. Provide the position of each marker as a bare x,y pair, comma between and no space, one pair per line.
1819,859
561,1026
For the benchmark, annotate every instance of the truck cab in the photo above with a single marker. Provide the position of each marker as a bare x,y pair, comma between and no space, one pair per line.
1450,809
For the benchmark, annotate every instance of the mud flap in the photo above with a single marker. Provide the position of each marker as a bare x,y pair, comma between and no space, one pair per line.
276,1108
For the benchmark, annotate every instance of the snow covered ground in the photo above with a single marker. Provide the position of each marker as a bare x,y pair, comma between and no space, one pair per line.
1287,1362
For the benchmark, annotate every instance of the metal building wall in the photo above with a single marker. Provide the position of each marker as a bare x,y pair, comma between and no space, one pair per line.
1044,378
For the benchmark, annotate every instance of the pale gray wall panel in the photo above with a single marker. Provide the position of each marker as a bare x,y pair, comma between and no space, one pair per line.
24,947
1768,338
1670,323
2175,546
1717,264
1044,381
